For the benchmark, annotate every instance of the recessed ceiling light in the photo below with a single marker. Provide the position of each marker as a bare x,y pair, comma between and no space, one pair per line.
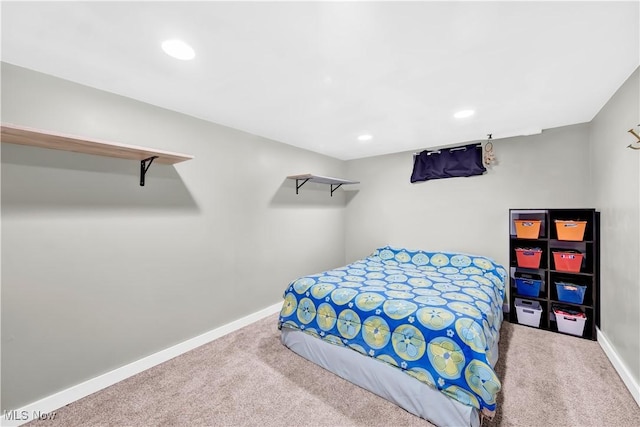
365,137
178,49
464,114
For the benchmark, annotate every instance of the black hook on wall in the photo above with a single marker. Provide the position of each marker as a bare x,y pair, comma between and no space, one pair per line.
632,132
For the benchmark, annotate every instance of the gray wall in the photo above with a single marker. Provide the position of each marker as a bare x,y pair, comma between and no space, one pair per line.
616,188
91,262
549,170
585,165
98,272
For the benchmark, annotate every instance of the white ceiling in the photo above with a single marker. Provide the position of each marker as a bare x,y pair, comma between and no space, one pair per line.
318,74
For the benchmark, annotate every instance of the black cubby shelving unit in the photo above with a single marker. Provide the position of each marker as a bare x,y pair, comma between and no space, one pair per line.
547,241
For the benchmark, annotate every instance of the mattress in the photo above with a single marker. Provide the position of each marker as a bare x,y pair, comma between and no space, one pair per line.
387,382
432,316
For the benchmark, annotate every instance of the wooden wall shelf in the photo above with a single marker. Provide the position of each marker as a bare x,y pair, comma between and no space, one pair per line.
335,183
22,135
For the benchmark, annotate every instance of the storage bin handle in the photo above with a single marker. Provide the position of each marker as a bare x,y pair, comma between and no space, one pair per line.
527,311
570,319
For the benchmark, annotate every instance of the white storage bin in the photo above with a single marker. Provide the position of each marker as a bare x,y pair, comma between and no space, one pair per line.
570,324
528,312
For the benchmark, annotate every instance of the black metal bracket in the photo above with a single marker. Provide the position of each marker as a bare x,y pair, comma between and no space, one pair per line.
300,185
632,132
144,166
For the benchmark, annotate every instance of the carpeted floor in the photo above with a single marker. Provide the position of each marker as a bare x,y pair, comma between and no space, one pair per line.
248,378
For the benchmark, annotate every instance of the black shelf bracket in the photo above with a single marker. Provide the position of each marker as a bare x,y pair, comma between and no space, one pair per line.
144,166
334,187
300,185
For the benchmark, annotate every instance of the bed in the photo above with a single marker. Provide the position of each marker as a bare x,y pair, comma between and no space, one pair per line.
417,328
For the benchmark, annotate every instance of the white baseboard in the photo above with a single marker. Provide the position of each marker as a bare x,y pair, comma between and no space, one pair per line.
619,366
46,407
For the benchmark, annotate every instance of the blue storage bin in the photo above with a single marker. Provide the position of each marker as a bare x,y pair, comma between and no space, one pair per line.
527,284
570,292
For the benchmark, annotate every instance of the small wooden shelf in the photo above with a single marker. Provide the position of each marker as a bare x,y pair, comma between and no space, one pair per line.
335,183
58,141
15,134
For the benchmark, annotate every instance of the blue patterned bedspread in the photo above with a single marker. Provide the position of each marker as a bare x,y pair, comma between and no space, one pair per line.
435,315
